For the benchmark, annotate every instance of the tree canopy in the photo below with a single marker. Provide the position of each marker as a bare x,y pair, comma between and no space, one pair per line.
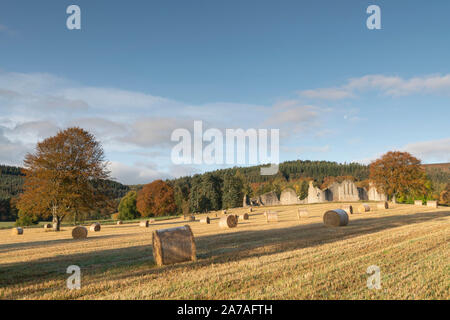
399,174
156,199
59,176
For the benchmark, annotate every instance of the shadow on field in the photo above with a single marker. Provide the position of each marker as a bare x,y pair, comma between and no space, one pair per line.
216,248
44,243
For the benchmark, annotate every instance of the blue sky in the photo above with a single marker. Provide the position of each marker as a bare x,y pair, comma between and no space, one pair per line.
137,70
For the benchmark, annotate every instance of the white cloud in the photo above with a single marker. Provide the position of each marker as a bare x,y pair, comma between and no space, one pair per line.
306,149
11,152
151,132
136,174
386,85
129,124
430,151
327,94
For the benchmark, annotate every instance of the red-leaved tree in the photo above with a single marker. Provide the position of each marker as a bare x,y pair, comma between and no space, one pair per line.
156,199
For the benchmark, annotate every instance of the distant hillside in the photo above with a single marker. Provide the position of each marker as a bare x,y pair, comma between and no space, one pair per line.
441,166
12,179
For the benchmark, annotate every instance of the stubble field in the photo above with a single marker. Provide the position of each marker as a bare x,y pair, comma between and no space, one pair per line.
290,259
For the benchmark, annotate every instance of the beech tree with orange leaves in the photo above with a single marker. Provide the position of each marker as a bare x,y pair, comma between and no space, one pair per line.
399,173
59,176
156,199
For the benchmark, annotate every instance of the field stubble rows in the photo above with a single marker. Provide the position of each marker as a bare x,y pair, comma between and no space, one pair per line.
290,259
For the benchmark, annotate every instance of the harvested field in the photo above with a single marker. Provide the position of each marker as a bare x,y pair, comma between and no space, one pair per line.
290,259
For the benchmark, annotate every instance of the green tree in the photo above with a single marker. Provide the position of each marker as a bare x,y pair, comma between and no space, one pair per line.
304,187
206,193
232,192
127,207
26,219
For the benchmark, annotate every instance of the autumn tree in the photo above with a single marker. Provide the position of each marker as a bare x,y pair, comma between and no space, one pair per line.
398,173
445,195
156,199
127,207
59,176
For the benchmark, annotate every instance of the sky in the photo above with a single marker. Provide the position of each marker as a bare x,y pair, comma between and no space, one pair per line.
138,70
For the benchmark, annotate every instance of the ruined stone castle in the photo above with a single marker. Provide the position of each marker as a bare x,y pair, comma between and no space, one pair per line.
344,191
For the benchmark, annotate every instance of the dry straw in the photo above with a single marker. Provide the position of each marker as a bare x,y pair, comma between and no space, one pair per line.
205,220
144,224
119,222
335,218
302,213
173,245
383,205
229,221
244,216
95,227
17,231
364,208
271,217
348,208
79,232
48,227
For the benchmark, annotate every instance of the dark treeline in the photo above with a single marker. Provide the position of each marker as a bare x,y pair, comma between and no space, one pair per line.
12,179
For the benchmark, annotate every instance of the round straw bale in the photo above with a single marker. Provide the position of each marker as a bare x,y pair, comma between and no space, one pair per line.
17,231
173,245
191,218
244,216
348,208
364,208
152,220
48,227
418,202
383,205
432,204
335,218
271,217
205,220
79,232
302,213
224,212
119,222
144,224
228,221
250,209
95,227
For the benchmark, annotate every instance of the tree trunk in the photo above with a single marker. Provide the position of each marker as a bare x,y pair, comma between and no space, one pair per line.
394,200
56,223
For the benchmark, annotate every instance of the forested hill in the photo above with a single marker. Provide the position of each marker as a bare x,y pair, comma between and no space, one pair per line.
12,179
